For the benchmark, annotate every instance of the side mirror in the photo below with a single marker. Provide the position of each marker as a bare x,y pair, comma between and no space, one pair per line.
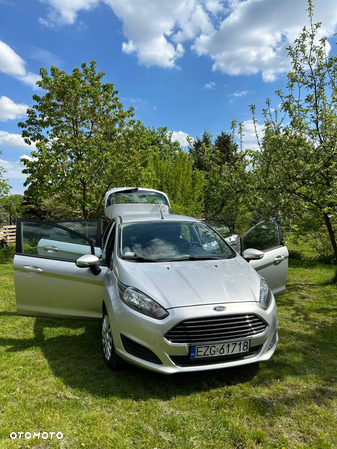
89,261
252,254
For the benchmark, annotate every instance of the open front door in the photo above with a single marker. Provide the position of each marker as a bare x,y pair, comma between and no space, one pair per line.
267,236
47,280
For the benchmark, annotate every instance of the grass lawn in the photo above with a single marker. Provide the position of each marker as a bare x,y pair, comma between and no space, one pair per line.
53,379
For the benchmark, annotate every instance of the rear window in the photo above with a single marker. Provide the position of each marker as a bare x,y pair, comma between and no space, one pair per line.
136,197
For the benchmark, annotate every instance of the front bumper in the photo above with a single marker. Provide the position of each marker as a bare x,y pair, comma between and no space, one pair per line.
141,340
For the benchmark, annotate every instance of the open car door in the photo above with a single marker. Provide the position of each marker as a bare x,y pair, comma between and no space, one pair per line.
47,280
267,237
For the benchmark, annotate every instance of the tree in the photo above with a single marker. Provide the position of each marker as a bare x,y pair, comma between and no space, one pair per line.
183,184
12,207
160,140
4,186
4,190
298,158
85,142
227,148
224,166
205,159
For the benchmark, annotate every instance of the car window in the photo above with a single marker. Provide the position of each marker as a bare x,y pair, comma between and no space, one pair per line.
136,196
263,236
164,240
47,240
220,226
92,229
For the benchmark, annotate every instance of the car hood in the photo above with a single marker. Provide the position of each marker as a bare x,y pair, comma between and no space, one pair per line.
190,283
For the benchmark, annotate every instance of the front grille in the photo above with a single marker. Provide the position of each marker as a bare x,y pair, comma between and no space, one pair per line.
216,329
184,360
139,351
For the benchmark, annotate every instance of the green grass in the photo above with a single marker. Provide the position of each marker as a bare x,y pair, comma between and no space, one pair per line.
53,379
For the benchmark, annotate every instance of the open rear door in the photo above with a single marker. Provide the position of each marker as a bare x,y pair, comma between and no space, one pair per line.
267,236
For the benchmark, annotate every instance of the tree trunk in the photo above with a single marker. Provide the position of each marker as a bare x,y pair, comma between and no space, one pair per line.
331,233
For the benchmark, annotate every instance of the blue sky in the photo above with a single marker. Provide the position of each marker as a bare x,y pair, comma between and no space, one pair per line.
189,65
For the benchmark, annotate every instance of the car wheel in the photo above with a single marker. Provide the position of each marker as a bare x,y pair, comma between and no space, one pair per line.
111,358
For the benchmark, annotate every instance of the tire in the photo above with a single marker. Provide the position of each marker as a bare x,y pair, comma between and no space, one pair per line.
111,358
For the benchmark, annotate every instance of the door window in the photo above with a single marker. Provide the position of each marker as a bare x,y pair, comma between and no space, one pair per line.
263,236
220,226
51,241
92,229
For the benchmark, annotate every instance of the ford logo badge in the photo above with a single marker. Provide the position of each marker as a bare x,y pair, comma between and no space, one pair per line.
219,308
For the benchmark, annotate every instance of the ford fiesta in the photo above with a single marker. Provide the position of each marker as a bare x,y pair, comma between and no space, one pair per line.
172,293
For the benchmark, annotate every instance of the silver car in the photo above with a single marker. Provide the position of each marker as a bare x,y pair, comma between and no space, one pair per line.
172,294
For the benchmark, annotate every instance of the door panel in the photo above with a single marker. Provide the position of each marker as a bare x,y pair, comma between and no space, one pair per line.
47,287
267,236
273,267
47,280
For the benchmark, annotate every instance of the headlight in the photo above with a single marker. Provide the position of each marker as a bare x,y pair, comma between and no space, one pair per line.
265,295
140,302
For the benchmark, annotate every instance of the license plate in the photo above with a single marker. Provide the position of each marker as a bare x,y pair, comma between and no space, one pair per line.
219,349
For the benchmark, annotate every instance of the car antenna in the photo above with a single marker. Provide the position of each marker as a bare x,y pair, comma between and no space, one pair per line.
161,213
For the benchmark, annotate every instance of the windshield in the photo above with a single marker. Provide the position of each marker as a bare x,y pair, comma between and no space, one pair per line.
164,240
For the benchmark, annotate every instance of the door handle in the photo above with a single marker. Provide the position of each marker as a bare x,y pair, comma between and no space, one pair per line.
279,258
50,248
32,268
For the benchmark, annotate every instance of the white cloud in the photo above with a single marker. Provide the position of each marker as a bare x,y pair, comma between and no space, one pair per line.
210,85
10,110
138,103
13,169
65,11
192,24
14,140
149,26
12,64
254,36
30,79
46,23
29,158
181,137
243,93
237,95
214,6
240,37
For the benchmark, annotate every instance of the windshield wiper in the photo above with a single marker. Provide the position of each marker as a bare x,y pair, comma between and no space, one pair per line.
183,259
205,258
139,259
175,259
